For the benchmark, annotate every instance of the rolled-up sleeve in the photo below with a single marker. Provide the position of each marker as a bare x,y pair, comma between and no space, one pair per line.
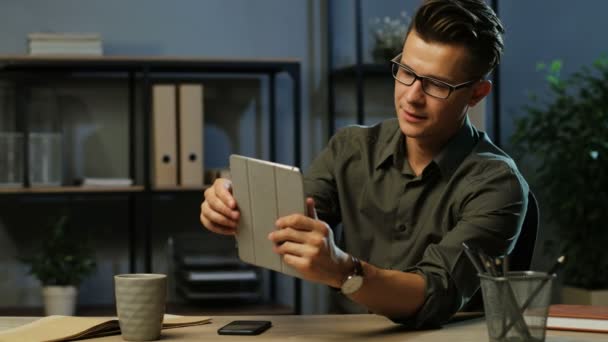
492,210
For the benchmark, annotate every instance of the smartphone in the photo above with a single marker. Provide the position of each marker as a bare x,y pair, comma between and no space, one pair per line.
244,328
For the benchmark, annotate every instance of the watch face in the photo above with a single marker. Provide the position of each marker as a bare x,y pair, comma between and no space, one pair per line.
352,284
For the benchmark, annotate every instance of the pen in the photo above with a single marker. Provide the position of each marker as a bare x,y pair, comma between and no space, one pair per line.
490,269
487,261
560,261
505,265
473,259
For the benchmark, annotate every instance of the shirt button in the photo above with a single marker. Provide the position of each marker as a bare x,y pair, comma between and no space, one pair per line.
401,228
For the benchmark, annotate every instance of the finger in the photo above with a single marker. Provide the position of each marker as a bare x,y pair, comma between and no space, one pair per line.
288,234
297,221
217,217
216,228
220,206
311,211
223,189
293,248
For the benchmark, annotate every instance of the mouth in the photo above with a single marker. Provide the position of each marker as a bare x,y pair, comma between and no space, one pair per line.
411,117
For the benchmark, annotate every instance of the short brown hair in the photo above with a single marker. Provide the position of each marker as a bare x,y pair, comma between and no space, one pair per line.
469,22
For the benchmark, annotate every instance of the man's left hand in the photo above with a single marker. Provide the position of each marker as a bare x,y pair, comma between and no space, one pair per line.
307,244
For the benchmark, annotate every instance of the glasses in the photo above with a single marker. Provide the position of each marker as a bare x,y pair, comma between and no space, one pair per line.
431,86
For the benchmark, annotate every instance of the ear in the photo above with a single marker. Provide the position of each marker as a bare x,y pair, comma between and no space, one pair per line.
480,90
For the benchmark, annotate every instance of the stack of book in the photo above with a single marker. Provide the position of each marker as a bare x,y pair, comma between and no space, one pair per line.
90,181
65,44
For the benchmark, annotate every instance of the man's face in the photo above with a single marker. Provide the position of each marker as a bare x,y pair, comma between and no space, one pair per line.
425,118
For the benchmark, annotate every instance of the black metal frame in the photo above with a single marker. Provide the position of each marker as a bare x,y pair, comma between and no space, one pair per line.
141,70
357,69
496,124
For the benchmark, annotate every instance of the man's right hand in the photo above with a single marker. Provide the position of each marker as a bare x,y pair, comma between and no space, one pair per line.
219,212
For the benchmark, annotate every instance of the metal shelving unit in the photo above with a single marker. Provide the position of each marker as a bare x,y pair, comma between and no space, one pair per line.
141,71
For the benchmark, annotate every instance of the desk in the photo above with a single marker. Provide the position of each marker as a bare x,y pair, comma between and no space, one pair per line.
344,328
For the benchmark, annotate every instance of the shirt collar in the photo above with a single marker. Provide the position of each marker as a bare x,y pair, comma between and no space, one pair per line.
457,148
452,154
391,147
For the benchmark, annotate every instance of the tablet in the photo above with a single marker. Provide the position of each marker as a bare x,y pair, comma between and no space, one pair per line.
264,191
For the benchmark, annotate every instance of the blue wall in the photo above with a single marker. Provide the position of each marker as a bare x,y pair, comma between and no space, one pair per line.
210,28
538,30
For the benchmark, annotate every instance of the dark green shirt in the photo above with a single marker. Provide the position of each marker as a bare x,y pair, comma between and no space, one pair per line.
393,219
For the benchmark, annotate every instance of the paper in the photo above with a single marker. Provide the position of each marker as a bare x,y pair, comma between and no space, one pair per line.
68,328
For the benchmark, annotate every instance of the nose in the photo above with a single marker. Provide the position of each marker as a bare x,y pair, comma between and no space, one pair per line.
414,93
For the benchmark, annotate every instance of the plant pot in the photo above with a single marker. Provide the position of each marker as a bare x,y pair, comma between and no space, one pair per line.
59,300
382,55
575,295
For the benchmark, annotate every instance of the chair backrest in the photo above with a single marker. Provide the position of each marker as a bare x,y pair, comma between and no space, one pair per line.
520,258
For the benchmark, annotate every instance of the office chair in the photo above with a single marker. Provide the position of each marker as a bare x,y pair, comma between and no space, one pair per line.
520,258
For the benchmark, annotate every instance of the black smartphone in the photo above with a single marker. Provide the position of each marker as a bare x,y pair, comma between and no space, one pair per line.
244,328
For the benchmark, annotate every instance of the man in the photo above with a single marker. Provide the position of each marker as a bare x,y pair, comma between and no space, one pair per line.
408,191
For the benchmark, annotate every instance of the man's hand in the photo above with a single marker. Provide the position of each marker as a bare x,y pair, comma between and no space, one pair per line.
307,244
219,212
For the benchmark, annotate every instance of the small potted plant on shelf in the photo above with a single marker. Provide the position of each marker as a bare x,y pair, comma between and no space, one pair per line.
565,139
61,264
388,34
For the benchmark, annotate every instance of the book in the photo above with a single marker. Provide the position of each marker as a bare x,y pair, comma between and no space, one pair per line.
63,36
93,181
591,318
65,44
69,328
65,48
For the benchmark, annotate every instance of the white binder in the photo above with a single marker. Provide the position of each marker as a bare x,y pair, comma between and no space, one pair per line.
191,118
164,150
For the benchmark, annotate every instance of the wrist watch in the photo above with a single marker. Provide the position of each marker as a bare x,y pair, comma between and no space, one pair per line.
355,280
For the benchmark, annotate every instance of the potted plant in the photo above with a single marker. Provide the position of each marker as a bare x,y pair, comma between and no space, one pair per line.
61,264
565,139
388,35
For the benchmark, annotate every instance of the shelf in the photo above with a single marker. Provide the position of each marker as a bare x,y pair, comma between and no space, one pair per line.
209,261
98,189
139,63
192,295
141,74
72,189
368,69
224,276
180,188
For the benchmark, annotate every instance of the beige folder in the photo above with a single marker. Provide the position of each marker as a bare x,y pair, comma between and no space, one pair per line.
191,118
164,150
264,192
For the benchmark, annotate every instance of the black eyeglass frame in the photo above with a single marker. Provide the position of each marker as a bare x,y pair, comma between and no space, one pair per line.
452,87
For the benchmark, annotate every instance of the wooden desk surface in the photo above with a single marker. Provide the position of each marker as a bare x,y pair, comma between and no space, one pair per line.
344,328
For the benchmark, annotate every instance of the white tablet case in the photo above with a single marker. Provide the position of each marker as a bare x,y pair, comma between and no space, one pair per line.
264,191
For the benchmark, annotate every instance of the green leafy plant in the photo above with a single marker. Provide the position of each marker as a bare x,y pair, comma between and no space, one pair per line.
61,260
565,139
